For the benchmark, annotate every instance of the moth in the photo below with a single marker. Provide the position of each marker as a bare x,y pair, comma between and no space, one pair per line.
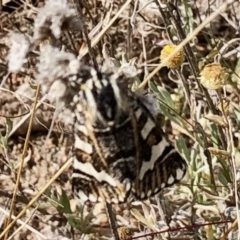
120,151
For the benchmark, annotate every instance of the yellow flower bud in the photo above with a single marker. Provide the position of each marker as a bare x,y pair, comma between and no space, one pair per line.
214,76
124,232
176,60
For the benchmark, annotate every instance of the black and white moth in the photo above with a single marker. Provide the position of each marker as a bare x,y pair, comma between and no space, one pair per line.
120,150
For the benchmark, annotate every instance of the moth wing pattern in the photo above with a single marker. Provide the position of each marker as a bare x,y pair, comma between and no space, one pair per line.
160,165
120,149
104,165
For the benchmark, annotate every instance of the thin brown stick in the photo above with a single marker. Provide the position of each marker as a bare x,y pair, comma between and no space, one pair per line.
11,212
66,165
23,225
20,222
112,221
233,226
101,34
185,41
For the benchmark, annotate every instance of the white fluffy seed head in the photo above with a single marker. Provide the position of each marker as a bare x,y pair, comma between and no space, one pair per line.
20,46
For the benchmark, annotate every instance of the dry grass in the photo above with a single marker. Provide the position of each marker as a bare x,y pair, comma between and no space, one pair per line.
35,193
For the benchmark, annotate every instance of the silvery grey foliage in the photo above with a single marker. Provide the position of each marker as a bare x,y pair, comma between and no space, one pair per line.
19,48
53,18
150,101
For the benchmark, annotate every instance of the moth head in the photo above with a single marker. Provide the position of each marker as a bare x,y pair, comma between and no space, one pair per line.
103,98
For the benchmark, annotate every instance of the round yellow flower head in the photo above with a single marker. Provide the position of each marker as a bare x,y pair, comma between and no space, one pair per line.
176,60
214,76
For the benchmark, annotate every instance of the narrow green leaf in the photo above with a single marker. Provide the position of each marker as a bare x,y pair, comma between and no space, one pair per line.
163,94
165,102
182,148
64,200
222,177
48,192
9,124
